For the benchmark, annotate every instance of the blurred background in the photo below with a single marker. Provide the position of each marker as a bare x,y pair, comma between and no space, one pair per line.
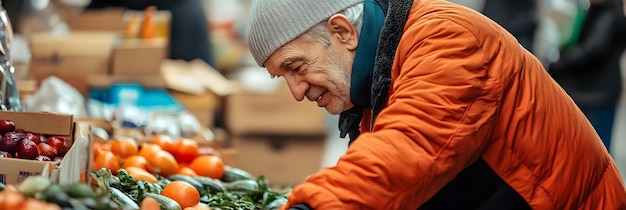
182,68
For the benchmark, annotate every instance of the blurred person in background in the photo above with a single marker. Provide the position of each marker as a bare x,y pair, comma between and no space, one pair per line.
443,107
477,5
189,33
589,70
518,17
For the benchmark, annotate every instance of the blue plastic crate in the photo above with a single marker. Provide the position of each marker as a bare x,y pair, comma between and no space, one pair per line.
145,99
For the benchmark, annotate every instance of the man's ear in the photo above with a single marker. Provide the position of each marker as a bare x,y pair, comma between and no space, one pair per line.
343,31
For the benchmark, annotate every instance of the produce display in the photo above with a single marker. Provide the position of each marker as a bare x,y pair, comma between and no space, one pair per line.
157,173
17,143
236,190
190,192
37,192
176,174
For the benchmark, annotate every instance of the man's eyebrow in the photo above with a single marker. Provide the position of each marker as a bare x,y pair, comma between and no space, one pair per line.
286,63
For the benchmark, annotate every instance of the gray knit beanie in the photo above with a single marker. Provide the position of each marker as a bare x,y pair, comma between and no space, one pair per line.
274,23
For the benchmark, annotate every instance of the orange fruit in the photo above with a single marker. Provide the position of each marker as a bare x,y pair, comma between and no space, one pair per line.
186,171
163,163
200,206
103,145
31,203
136,161
106,160
83,176
11,199
182,192
148,149
141,174
209,166
149,203
165,142
97,151
124,147
185,150
99,148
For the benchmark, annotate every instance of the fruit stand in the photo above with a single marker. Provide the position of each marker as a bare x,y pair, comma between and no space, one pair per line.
99,117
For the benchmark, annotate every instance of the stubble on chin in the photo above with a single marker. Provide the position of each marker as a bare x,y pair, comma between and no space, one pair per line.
337,106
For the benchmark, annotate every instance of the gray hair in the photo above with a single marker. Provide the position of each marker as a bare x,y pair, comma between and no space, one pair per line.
319,34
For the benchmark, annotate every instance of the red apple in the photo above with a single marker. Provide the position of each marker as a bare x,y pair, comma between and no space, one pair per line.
10,142
58,143
6,126
27,149
33,137
4,154
46,150
42,158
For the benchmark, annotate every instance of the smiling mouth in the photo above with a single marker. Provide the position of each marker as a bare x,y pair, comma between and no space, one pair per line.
320,97
318,100
312,98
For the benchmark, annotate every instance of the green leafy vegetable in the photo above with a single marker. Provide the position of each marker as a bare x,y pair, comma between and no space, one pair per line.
237,194
262,199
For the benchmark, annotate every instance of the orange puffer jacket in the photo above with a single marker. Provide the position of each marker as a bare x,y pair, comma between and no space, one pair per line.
463,89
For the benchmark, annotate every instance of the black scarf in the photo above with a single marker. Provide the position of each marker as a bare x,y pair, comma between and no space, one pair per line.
396,13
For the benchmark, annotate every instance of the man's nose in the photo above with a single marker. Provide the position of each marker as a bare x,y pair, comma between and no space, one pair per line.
298,88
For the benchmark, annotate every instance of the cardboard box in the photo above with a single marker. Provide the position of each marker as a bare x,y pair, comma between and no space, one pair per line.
229,156
26,87
195,77
284,160
74,54
105,81
14,171
275,113
203,107
206,117
139,57
111,19
198,86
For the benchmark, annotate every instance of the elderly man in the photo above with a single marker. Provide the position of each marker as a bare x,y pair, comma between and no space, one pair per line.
444,108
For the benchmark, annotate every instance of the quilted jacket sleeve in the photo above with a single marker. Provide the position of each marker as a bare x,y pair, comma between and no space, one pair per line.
439,116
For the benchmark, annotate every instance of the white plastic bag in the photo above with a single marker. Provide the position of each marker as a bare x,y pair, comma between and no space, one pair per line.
189,125
54,95
77,159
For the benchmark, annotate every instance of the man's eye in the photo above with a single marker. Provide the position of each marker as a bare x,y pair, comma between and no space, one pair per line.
298,69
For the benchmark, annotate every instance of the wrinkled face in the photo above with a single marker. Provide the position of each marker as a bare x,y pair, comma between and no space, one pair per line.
319,72
315,72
